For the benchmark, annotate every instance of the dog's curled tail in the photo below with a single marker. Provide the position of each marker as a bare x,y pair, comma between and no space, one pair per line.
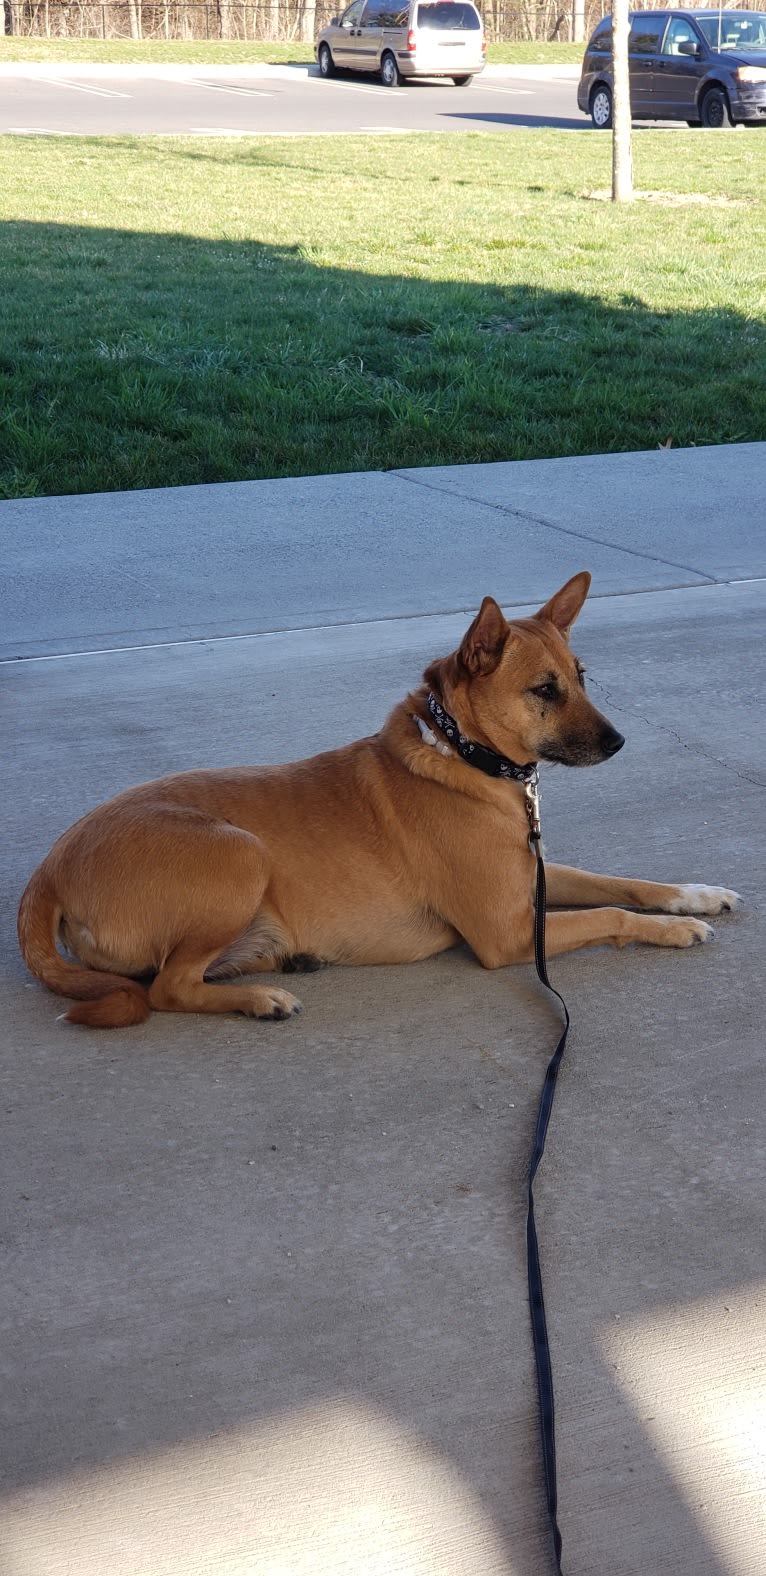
104,1001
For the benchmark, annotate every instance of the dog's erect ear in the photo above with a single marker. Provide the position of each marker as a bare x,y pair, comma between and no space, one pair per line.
564,607
483,644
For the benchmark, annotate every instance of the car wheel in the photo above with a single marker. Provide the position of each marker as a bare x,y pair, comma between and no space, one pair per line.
389,71
601,107
462,82
714,110
326,62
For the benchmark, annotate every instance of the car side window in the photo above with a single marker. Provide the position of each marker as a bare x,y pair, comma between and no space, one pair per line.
350,18
601,41
384,13
679,32
645,33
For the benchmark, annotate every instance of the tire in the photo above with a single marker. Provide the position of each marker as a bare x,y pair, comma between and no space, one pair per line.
601,107
389,71
326,62
714,110
462,82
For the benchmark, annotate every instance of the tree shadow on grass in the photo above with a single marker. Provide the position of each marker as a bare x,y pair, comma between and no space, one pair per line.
132,360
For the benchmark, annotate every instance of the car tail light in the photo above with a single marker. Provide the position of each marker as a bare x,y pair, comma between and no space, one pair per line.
411,46
483,43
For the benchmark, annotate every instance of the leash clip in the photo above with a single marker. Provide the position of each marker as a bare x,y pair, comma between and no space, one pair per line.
532,806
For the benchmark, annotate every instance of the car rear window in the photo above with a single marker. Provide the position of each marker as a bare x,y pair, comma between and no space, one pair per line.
446,14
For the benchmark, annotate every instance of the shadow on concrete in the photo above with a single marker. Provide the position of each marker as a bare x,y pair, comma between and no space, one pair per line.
132,360
557,122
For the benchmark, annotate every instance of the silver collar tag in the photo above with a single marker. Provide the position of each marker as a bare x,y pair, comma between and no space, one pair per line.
532,807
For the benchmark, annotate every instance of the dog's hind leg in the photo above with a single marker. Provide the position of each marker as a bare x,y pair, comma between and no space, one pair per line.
181,987
227,878
568,887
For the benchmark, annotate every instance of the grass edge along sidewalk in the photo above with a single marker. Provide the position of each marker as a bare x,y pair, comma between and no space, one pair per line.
195,310
120,51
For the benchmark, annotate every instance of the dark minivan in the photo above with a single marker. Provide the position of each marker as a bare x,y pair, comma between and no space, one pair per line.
705,67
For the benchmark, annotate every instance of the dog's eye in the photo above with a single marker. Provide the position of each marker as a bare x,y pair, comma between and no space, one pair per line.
545,691
581,674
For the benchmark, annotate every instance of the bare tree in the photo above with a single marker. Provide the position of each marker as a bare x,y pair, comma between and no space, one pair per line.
134,11
308,21
622,156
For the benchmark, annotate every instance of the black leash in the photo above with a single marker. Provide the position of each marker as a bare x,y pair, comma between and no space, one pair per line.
495,765
534,1275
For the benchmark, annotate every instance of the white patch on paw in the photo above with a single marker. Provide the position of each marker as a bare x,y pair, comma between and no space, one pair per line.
696,899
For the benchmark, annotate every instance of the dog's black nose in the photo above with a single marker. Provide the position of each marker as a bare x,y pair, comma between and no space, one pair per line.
611,741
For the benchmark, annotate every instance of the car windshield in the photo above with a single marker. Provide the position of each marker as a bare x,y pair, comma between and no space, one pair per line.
734,29
449,14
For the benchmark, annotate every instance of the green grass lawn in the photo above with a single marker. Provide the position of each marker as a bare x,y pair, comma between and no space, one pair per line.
193,310
121,51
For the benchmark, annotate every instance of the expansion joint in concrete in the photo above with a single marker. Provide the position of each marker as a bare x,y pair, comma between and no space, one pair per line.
552,525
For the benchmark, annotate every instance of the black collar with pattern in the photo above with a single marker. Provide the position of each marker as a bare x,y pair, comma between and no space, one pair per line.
486,760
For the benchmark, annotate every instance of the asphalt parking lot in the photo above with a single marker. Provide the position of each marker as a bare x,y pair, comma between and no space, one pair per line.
100,100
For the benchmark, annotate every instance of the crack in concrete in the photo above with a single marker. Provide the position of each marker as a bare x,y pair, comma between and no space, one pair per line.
694,749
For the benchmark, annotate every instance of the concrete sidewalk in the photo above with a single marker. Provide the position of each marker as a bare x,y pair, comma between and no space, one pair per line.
264,1302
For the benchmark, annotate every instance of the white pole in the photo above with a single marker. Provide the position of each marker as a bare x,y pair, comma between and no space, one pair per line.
622,158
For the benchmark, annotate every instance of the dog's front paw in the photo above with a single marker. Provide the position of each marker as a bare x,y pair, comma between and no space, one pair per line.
694,898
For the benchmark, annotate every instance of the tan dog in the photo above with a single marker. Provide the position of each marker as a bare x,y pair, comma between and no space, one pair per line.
386,851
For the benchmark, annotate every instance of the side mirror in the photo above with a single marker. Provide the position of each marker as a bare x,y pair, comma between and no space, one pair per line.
688,47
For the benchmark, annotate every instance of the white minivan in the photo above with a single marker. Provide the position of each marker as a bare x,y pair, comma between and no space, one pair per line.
420,38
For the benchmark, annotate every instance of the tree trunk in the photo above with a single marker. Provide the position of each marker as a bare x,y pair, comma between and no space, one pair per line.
622,158
308,21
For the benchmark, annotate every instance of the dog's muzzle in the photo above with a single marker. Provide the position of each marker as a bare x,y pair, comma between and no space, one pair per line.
579,750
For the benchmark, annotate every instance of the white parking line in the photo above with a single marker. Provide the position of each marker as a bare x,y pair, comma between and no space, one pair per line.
79,87
509,92
354,87
218,87
36,131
